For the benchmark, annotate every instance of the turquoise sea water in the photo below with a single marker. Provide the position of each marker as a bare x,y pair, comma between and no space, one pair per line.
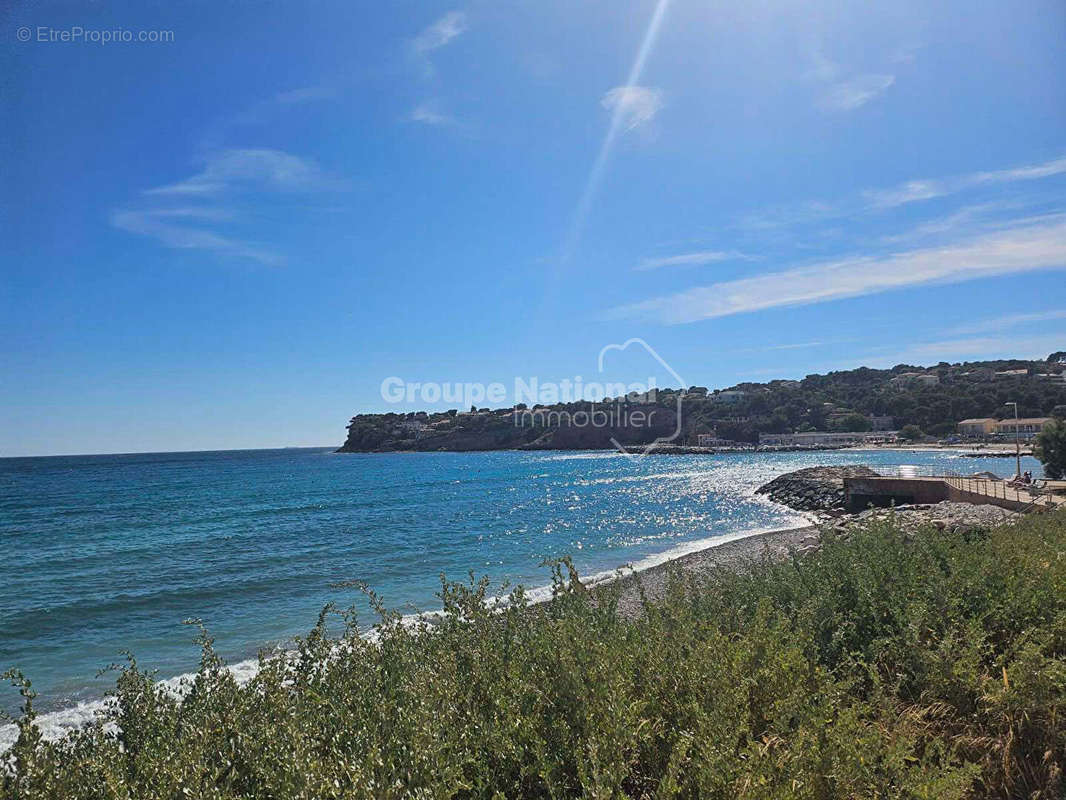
109,553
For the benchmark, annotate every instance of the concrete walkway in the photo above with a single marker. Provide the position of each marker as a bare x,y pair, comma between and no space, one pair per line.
987,489
907,488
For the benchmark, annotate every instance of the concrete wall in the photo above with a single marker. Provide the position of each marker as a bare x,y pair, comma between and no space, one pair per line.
861,493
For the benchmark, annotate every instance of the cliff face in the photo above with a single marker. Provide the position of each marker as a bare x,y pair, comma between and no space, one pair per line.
561,429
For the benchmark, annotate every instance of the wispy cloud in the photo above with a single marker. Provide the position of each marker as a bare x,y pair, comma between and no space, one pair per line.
633,105
970,218
1030,246
855,92
439,34
428,113
927,189
842,89
910,191
796,346
791,346
1008,321
984,347
822,69
261,112
1026,173
931,352
787,216
232,174
907,53
690,259
159,224
269,169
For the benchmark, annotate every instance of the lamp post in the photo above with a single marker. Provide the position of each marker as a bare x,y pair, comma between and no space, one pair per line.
1017,445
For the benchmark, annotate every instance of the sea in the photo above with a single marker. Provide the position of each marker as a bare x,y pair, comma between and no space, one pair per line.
108,554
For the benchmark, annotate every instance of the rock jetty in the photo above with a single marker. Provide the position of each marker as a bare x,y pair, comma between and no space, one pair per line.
814,488
820,492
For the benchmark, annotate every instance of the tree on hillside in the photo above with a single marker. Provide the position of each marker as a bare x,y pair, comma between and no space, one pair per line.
1057,358
1050,448
911,433
941,429
852,422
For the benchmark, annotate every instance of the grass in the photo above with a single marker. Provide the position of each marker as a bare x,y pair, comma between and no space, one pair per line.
886,665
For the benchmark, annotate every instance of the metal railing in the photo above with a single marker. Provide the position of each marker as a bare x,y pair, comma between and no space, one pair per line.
995,488
917,471
1004,490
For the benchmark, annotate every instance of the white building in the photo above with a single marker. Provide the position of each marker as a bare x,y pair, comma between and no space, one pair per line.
1024,428
924,378
1052,377
712,440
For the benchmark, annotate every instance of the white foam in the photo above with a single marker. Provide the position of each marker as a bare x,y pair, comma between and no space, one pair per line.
57,724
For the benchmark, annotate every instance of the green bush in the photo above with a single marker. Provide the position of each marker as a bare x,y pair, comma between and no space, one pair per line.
887,665
1050,448
911,433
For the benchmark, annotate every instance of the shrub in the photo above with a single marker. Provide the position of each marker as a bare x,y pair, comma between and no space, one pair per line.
886,665
1050,448
911,433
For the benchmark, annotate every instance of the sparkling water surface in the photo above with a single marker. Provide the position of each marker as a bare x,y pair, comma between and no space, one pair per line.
112,553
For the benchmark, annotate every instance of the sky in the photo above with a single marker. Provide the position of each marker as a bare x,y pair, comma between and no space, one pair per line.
228,231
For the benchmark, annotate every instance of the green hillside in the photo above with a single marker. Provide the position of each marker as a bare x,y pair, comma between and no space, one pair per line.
841,400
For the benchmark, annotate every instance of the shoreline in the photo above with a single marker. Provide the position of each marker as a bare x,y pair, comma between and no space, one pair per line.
732,554
996,450
991,451
648,578
700,556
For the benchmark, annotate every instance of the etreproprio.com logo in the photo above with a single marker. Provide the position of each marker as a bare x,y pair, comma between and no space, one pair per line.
76,34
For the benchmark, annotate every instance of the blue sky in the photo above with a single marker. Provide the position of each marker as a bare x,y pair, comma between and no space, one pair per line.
231,238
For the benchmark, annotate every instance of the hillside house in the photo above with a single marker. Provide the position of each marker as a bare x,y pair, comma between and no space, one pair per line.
924,378
977,426
1051,377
